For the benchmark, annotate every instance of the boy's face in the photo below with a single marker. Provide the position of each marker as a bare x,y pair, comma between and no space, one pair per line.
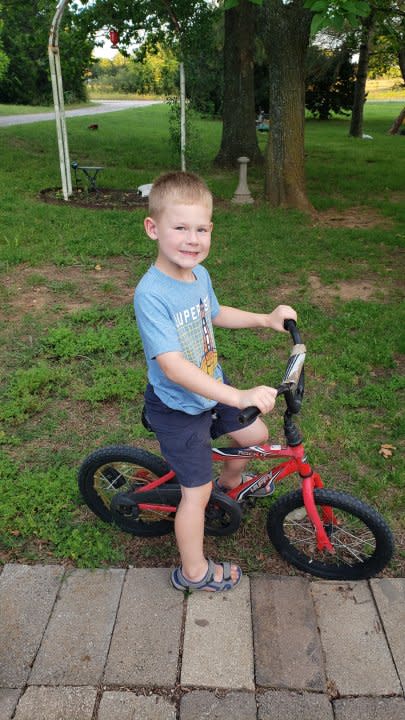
183,233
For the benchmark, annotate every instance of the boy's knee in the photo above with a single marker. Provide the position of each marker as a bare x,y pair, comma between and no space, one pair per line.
197,496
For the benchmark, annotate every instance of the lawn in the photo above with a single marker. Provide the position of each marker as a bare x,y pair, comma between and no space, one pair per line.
72,368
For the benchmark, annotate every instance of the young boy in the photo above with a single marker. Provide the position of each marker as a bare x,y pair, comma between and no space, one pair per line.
188,399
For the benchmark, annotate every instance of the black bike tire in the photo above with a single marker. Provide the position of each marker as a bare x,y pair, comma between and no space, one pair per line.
384,544
125,454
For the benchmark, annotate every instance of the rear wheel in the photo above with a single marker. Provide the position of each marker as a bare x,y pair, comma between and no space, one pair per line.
361,538
119,469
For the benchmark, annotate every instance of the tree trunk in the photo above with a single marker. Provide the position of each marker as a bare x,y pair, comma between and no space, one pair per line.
356,124
401,62
239,126
397,124
287,38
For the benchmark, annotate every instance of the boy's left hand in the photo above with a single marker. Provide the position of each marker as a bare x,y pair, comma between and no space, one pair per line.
281,313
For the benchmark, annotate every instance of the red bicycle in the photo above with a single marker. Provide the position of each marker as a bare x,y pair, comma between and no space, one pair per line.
323,532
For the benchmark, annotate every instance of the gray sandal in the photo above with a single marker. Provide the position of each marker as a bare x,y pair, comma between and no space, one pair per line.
207,582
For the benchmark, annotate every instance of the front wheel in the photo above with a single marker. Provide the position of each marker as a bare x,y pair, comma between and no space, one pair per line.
118,469
361,538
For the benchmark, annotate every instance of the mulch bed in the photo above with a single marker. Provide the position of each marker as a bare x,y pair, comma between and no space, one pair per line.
101,199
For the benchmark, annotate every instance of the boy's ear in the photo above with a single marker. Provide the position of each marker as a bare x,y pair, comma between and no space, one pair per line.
150,228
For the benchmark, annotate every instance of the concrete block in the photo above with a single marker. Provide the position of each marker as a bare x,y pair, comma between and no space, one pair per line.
145,644
27,596
389,595
8,702
287,646
117,705
57,703
358,659
370,708
284,705
200,704
76,642
218,642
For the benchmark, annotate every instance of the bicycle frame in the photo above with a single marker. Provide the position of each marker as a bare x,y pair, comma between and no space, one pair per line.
296,462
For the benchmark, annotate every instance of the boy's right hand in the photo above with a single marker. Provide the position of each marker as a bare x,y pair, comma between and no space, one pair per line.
262,397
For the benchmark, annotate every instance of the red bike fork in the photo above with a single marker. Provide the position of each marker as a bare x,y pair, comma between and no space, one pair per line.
309,483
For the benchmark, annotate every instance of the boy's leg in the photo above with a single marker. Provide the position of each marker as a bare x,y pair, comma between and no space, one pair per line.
254,434
189,529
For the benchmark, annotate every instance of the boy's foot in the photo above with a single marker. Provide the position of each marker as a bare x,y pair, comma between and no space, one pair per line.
219,577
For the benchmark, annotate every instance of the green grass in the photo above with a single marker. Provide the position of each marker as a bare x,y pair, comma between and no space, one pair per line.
72,368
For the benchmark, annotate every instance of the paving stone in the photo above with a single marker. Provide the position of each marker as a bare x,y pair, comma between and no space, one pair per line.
145,643
27,596
8,702
76,642
284,705
389,594
202,704
287,646
128,706
358,659
369,708
57,703
218,643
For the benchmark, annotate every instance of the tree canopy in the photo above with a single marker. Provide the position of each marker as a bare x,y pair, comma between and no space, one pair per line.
26,25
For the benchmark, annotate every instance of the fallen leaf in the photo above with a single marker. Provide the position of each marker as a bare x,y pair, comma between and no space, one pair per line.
98,268
386,450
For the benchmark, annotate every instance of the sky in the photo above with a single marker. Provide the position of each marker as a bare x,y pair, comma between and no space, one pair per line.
105,51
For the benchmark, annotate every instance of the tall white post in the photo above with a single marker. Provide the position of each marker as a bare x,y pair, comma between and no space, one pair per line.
182,117
58,100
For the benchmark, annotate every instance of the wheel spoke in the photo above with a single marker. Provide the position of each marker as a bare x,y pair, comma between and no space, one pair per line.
351,540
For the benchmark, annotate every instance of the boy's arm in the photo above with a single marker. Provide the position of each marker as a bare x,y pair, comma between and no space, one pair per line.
181,371
233,318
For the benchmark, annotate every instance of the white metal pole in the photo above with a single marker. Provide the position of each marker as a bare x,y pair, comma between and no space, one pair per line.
182,117
58,100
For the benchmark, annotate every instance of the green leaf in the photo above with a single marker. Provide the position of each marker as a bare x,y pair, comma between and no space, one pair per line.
363,9
317,5
317,22
229,4
256,2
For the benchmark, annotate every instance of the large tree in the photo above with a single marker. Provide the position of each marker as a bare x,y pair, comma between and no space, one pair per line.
368,27
239,126
287,34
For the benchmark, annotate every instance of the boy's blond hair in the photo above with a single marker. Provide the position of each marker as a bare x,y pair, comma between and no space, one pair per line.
181,187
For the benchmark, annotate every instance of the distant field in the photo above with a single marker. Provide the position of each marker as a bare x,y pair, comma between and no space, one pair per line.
385,89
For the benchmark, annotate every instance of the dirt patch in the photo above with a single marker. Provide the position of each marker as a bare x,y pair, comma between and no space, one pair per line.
101,199
355,217
72,288
367,289
346,290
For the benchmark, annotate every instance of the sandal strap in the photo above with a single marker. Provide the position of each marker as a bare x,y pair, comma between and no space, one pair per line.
208,581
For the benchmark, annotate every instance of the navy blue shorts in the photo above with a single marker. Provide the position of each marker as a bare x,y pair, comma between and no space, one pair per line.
185,440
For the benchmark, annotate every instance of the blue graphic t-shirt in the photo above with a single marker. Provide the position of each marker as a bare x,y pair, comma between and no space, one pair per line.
176,316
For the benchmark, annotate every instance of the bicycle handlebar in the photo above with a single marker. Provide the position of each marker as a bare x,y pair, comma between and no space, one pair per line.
292,385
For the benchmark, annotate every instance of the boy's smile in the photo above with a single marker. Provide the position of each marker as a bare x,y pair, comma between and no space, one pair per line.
183,233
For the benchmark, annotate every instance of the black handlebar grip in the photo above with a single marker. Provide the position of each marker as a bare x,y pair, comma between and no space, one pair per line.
249,414
291,326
